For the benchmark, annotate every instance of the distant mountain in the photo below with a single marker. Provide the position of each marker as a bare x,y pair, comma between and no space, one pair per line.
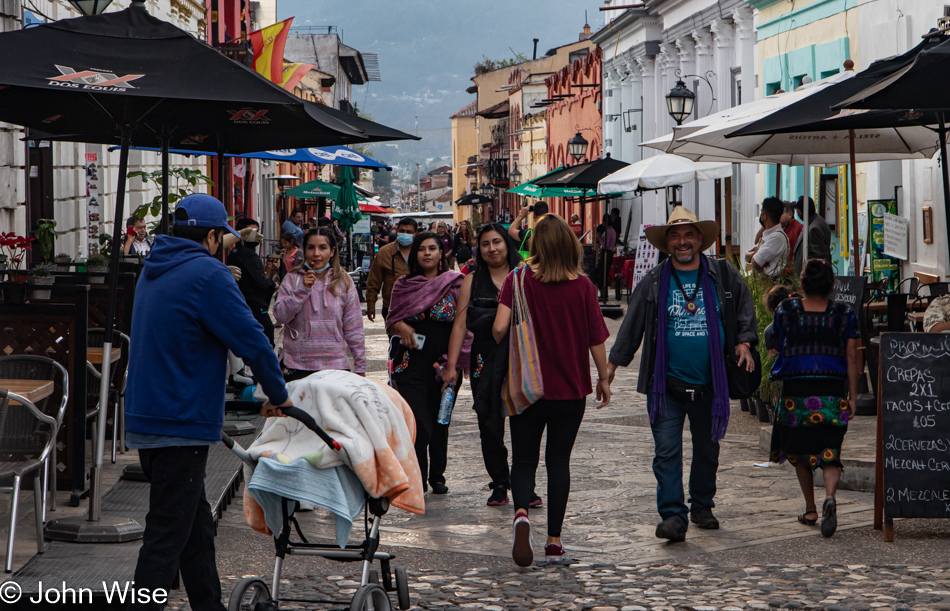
426,53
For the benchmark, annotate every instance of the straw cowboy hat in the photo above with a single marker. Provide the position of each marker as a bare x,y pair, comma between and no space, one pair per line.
656,235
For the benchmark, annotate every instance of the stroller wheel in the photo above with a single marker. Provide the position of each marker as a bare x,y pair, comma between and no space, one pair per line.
247,593
370,597
402,588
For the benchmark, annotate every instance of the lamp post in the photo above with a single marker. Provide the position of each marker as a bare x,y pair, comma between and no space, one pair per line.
515,176
577,146
90,7
680,100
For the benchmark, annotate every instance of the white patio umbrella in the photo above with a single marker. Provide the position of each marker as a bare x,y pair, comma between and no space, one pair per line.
661,171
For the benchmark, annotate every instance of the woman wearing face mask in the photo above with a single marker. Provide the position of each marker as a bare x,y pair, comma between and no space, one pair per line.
320,309
424,303
495,256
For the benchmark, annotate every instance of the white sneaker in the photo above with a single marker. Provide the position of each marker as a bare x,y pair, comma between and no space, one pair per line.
522,544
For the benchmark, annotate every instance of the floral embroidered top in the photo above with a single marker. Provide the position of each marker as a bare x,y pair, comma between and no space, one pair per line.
442,311
813,344
319,326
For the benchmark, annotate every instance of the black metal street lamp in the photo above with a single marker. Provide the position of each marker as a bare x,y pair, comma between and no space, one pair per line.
90,7
577,146
515,176
679,102
487,190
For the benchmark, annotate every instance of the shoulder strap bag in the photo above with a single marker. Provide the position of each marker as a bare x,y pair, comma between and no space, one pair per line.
523,385
742,383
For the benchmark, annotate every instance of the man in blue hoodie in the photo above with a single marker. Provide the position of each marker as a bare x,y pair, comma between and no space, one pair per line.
188,314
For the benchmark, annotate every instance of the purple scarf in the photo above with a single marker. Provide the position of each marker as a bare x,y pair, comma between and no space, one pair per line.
720,404
415,295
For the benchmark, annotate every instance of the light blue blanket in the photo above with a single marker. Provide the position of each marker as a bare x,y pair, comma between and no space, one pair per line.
337,490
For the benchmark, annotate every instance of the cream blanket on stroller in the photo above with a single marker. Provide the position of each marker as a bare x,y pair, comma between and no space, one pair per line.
372,422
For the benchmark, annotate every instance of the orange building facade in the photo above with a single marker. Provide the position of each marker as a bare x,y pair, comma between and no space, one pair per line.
577,92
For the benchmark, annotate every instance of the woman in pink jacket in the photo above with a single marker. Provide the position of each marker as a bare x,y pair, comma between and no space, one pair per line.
320,310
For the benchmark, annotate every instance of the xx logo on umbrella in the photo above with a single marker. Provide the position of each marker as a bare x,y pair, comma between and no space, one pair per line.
248,116
92,79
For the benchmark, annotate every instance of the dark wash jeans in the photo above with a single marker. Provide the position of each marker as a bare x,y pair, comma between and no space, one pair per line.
179,529
668,457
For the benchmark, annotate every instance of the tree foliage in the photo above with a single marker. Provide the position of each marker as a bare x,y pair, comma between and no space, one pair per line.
487,65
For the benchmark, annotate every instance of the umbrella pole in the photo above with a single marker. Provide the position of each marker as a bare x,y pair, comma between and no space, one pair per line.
855,254
164,221
805,213
942,132
95,528
222,193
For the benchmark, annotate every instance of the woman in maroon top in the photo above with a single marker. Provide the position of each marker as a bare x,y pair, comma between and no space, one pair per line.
568,324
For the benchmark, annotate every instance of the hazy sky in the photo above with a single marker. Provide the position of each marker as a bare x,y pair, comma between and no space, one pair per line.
427,49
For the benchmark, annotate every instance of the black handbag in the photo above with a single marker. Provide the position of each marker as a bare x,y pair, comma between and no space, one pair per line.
742,383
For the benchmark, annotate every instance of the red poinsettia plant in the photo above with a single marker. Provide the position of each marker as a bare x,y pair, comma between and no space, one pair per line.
14,248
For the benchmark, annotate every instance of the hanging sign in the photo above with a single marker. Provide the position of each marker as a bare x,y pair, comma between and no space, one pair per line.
647,255
882,266
895,236
93,217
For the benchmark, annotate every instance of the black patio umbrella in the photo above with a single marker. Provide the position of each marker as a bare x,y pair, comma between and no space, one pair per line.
473,199
920,91
585,176
126,77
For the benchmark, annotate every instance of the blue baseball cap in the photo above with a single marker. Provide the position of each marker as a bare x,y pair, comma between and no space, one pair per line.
204,211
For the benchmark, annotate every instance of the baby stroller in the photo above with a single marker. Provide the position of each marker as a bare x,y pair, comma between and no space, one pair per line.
252,593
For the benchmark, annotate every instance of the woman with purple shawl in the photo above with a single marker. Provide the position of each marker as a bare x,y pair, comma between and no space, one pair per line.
424,303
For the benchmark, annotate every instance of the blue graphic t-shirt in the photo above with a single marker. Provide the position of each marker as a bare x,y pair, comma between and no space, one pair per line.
686,336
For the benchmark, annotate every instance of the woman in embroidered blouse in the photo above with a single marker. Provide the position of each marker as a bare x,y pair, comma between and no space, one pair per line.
320,309
817,341
424,303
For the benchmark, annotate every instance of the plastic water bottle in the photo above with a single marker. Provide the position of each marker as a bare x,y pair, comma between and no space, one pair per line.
446,405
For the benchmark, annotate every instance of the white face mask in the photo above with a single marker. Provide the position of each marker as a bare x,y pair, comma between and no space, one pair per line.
322,269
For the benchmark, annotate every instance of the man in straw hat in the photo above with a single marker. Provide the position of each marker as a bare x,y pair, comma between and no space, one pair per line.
683,368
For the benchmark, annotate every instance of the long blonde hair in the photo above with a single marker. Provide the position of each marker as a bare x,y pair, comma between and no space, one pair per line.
339,277
555,252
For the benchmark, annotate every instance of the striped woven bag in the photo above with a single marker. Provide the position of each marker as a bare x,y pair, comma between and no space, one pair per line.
523,384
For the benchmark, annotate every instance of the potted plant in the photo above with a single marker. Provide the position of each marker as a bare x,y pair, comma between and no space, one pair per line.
40,280
62,261
97,269
45,234
14,247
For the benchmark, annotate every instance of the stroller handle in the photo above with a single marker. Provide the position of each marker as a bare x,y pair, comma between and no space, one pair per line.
298,414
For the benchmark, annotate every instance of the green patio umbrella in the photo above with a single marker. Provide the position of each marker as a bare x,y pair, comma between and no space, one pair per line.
532,189
347,209
320,188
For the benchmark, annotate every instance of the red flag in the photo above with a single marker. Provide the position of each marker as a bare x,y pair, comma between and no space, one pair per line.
268,46
293,73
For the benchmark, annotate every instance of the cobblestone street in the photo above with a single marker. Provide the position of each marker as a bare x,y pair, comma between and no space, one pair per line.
458,554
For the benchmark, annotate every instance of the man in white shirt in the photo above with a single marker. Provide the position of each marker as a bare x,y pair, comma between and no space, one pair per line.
771,255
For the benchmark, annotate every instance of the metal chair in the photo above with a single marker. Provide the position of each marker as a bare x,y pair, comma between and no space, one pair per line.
27,437
913,285
35,367
117,381
928,292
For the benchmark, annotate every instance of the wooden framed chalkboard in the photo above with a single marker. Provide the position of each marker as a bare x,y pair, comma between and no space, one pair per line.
913,448
850,290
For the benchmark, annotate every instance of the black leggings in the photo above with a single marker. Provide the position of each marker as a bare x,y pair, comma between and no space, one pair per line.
562,419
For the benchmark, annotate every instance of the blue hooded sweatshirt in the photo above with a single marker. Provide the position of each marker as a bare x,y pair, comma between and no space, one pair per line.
188,313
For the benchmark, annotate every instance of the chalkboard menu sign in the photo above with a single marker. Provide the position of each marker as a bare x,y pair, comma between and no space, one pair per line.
915,401
850,290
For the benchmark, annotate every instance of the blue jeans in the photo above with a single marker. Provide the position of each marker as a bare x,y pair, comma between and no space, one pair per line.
668,458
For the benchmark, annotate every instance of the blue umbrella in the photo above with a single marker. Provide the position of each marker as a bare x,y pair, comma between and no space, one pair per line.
327,155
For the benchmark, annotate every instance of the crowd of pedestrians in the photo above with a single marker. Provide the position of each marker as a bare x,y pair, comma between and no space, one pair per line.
691,316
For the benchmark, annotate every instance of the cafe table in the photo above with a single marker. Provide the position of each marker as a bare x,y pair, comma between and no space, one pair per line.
94,354
32,390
